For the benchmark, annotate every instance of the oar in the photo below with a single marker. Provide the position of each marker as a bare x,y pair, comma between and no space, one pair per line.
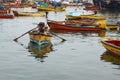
24,34
58,36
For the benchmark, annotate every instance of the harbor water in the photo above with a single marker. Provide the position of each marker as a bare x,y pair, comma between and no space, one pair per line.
80,57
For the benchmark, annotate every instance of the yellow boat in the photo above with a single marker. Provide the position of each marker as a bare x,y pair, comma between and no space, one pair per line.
112,26
32,14
103,24
69,17
113,46
39,38
96,17
51,9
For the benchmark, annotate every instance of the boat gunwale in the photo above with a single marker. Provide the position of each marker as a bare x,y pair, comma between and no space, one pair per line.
111,45
39,34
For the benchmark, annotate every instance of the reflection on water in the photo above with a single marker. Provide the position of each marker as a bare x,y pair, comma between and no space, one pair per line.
40,51
108,57
102,33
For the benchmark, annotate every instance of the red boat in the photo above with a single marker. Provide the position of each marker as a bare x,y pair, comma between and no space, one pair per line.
6,16
5,11
92,8
61,25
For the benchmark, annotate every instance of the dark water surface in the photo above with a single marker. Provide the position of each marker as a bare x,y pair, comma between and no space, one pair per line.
78,58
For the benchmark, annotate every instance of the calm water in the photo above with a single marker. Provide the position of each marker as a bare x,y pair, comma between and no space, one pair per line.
78,58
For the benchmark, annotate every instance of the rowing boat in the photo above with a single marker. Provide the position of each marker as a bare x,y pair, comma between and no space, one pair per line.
113,46
61,25
39,38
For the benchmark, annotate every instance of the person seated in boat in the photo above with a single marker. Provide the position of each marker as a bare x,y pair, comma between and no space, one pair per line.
42,28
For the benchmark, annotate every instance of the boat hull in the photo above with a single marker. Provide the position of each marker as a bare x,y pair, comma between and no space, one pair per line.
50,9
69,17
93,8
112,46
6,16
5,11
39,38
63,26
28,14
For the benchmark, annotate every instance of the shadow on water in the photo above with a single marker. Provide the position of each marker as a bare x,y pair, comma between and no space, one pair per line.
108,57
